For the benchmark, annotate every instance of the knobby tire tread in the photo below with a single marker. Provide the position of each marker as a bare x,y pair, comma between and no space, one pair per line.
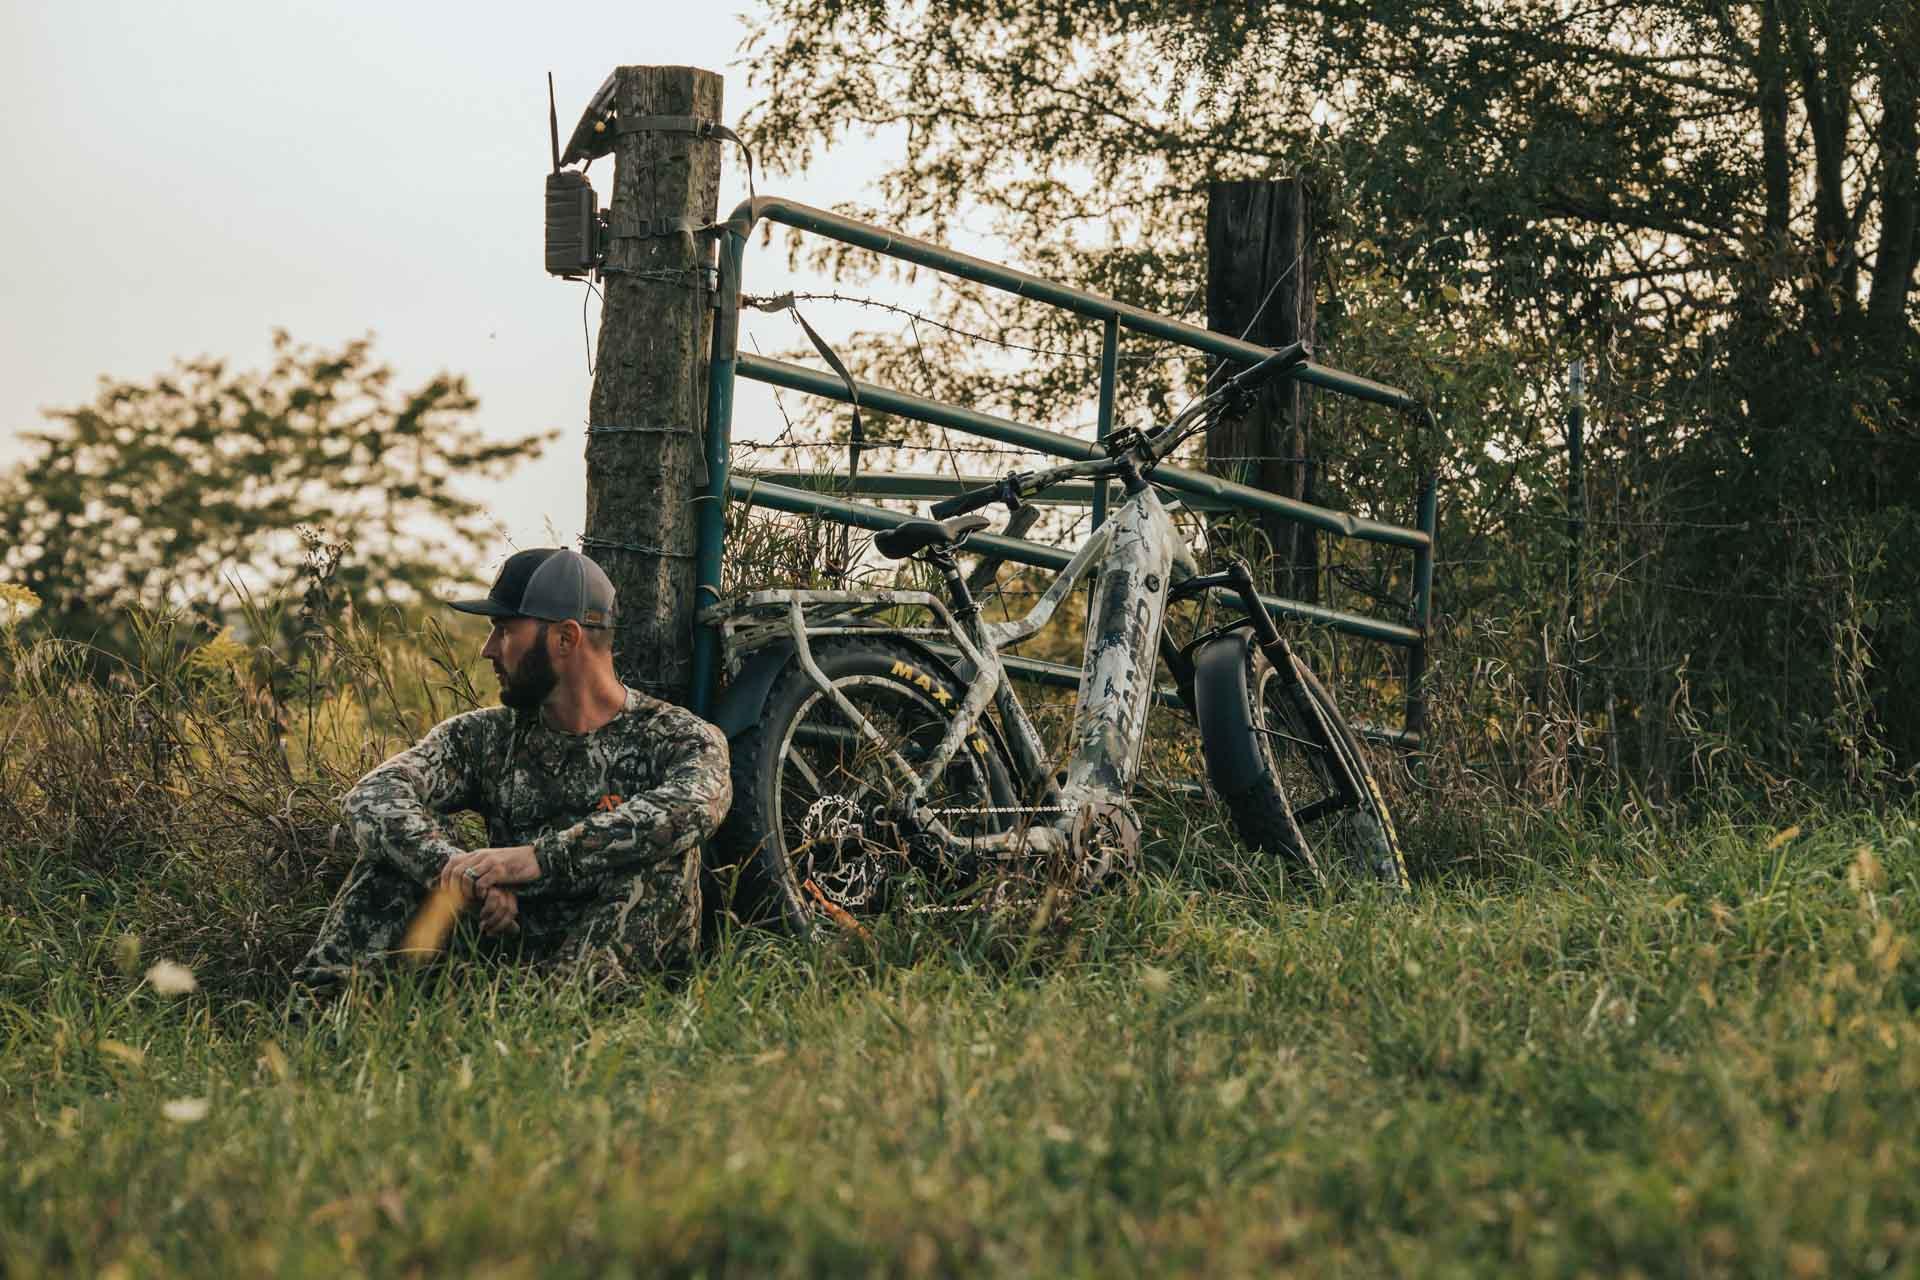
1231,716
769,891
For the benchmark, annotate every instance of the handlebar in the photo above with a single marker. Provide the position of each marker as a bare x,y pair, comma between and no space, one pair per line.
1247,380
1151,448
1008,490
1163,441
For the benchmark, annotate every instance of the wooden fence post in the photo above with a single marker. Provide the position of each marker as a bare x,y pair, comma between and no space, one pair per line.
1260,281
647,413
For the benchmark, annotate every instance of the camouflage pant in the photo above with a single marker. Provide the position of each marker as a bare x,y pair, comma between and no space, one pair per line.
648,920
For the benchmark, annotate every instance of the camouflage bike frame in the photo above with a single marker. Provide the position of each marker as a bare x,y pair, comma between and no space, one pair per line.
1142,565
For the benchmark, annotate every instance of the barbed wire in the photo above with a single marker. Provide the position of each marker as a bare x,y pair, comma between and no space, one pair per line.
1003,451
919,317
833,444
1781,521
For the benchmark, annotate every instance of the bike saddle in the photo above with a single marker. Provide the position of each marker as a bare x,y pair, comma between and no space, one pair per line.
917,535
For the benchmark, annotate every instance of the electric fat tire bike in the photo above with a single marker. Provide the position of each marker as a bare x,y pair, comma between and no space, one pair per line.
876,734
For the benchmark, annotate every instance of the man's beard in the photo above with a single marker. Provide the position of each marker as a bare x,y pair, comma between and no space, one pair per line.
527,685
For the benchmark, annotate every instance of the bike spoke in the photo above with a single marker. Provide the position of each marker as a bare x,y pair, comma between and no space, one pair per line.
1297,741
849,784
805,770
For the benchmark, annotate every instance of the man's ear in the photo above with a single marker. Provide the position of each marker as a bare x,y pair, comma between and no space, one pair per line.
571,635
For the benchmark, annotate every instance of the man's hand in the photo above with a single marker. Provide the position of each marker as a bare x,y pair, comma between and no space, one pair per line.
499,913
472,874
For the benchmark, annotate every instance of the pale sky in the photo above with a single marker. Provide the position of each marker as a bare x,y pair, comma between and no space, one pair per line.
186,177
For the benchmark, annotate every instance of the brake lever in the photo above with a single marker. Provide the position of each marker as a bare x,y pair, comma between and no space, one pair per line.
1010,490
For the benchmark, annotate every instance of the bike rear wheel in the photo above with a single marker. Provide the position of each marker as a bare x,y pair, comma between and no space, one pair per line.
814,798
1292,774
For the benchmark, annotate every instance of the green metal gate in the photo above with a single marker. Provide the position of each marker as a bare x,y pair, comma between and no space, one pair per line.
728,363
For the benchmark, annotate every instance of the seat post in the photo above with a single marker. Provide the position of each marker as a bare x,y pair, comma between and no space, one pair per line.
941,558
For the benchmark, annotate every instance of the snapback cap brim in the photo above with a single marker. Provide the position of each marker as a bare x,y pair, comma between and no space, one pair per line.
485,608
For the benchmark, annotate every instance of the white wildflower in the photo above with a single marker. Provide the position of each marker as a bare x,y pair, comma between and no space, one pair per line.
185,1110
170,979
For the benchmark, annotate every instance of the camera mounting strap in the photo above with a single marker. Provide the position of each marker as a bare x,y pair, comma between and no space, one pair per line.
699,127
629,228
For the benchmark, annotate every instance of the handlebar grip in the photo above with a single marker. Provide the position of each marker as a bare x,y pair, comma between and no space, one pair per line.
961,503
1287,357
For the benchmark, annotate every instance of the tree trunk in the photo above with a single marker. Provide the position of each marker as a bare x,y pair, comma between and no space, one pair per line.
1899,144
648,409
1260,282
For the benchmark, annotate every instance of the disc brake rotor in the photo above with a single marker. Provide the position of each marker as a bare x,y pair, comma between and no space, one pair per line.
1103,841
839,857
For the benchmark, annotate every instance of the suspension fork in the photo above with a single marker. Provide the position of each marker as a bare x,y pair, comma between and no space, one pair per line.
1237,578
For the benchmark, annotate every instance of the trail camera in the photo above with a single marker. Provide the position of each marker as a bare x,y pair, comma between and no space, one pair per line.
576,225
576,239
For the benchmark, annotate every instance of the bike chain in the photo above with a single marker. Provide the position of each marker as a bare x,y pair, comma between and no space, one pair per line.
1044,808
925,909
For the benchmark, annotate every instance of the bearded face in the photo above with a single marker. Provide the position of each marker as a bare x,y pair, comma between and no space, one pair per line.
527,685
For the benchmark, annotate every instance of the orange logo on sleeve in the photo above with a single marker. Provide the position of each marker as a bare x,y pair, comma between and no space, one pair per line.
608,803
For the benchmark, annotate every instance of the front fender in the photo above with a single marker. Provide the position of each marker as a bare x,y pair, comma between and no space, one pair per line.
1223,706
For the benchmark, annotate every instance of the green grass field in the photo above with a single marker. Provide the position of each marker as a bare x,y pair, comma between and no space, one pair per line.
1600,1045
1616,1049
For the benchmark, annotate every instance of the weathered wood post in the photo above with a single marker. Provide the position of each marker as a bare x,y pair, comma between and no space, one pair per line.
647,414
1260,281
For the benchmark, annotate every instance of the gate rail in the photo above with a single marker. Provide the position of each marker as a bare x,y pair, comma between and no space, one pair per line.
1213,492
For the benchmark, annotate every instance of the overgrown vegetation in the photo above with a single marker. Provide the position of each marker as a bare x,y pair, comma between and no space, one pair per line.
1622,1039
1650,1007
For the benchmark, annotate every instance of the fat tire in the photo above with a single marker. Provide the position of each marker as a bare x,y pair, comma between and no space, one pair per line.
751,838
1231,676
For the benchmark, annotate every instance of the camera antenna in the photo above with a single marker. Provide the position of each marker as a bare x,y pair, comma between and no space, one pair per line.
553,123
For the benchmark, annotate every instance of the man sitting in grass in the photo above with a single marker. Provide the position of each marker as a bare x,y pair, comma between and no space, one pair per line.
596,799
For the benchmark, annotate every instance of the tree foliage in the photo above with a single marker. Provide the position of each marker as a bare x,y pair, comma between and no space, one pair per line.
1707,154
1717,202
169,492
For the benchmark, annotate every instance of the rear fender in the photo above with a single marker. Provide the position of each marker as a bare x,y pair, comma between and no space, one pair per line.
743,700
745,694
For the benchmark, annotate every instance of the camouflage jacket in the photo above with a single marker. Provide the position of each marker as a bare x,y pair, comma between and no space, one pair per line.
647,784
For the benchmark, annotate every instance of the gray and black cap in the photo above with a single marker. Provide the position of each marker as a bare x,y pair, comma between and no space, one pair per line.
552,584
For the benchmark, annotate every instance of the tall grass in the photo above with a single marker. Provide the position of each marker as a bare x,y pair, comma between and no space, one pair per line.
1686,1052
1594,1040
201,777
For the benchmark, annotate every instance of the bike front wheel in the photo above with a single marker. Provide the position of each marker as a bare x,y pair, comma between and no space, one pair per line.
815,825
1292,774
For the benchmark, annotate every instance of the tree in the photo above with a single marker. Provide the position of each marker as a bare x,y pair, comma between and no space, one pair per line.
1720,200
163,493
1699,150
